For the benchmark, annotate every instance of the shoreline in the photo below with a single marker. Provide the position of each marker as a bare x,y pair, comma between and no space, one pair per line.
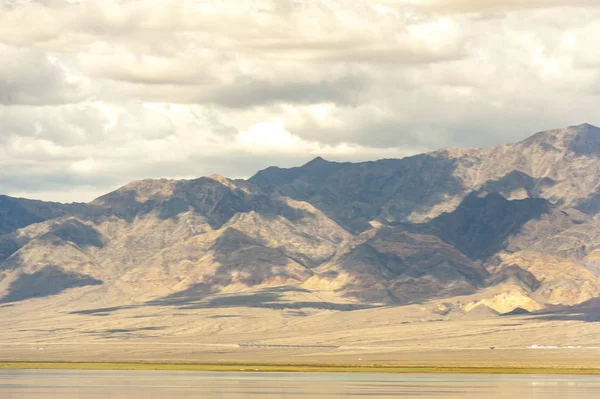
248,367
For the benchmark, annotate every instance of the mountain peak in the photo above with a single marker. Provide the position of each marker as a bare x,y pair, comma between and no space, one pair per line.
222,179
138,190
586,140
318,161
582,139
586,126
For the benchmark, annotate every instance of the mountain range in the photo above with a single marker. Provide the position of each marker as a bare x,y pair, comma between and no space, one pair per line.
488,231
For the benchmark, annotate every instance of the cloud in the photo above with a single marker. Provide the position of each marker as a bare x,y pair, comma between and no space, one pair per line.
101,146
29,76
98,92
462,6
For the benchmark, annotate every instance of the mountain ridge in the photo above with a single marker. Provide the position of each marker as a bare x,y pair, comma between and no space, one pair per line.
498,228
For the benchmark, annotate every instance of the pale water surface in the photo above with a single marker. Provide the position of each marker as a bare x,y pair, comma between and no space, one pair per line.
20,384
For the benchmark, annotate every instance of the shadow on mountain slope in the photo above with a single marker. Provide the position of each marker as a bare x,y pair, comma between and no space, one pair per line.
101,311
200,296
49,281
76,232
125,333
398,267
515,181
480,226
586,141
590,205
8,246
196,297
16,213
588,311
353,194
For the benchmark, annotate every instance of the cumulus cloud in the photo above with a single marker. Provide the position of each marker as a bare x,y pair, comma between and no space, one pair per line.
98,92
30,76
96,146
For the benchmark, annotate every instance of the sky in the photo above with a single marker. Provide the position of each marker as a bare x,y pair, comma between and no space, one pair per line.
96,93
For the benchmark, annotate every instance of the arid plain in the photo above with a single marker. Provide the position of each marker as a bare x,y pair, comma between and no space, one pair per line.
391,336
461,257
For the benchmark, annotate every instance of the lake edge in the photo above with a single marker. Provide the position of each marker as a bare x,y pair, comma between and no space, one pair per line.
228,367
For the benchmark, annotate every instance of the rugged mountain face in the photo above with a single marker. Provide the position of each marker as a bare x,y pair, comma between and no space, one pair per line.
479,227
16,213
355,194
397,266
560,166
482,230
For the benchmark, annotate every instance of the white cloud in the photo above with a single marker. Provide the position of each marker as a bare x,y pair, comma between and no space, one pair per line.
270,136
104,145
30,76
462,6
99,92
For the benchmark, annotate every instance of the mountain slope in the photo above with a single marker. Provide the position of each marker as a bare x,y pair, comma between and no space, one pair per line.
479,227
560,165
16,213
483,230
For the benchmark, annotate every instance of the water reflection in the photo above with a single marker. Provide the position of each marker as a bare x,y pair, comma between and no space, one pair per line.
21,384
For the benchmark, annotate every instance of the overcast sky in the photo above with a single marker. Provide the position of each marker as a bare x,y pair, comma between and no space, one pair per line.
96,93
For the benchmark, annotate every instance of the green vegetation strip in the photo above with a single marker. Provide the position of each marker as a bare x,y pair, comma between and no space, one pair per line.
289,368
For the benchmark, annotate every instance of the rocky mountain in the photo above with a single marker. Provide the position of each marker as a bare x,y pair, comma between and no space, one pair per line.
559,165
489,230
16,213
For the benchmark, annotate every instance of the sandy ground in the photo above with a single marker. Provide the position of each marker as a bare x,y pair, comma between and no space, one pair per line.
65,329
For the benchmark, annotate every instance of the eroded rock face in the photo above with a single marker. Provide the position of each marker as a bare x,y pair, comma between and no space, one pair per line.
354,194
486,230
559,165
16,213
